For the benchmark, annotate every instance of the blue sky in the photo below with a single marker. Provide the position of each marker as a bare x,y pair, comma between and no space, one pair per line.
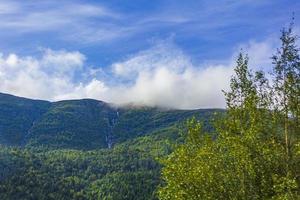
98,38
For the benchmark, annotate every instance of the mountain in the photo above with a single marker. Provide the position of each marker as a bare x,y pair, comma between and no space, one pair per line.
17,116
82,124
85,149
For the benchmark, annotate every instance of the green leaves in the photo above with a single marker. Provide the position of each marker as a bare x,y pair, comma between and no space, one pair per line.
256,152
229,167
124,172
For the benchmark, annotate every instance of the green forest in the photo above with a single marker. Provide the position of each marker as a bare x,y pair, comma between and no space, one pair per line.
251,150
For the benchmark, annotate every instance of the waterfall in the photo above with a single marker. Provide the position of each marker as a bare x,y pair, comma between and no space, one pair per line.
112,121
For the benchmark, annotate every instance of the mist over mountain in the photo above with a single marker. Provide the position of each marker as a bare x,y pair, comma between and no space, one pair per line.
149,100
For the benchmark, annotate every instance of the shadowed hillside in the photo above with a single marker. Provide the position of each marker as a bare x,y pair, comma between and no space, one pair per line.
81,124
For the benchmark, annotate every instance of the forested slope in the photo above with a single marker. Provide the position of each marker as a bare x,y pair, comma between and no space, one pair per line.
85,149
127,171
81,124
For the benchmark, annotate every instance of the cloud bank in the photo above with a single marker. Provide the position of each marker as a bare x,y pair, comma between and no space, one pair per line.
160,76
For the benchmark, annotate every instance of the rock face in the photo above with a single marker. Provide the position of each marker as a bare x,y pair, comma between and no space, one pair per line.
81,124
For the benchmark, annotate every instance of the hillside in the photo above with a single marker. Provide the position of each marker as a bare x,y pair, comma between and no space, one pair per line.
17,116
85,149
81,124
127,171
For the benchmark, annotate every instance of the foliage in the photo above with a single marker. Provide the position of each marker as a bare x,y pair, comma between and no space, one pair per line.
81,124
128,171
256,152
62,151
17,115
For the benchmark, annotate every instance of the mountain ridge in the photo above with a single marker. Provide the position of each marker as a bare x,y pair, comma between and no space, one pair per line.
82,123
85,149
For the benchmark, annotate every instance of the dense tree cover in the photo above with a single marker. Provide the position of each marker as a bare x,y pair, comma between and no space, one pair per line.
17,116
80,124
127,171
62,149
256,152
133,122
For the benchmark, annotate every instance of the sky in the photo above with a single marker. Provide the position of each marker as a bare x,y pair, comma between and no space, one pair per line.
177,54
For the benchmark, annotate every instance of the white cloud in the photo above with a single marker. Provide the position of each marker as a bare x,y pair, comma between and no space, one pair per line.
165,76
44,77
62,62
191,88
164,54
160,76
69,20
260,53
